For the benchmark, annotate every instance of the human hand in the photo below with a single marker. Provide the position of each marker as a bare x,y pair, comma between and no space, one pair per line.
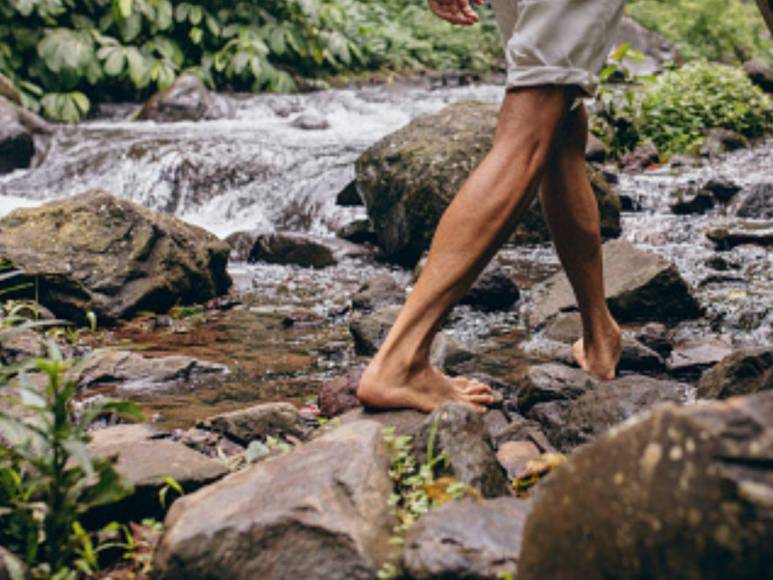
455,11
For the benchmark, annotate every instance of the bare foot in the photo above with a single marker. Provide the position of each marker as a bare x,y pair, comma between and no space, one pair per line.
422,389
600,357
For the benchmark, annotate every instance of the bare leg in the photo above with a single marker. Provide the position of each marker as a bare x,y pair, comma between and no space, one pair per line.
573,217
480,219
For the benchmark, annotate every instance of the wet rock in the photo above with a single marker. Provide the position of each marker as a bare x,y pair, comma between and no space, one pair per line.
690,358
721,264
550,382
718,141
630,203
655,48
722,189
758,203
760,74
683,492
145,461
357,231
640,286
302,250
370,330
320,511
514,455
571,422
278,420
378,291
11,566
17,147
100,253
310,121
595,150
187,99
691,200
644,156
461,434
472,539
742,373
132,372
241,244
349,196
655,336
340,395
493,290
519,429
738,234
408,178
19,344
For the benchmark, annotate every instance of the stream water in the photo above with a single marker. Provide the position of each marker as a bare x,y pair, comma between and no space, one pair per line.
259,172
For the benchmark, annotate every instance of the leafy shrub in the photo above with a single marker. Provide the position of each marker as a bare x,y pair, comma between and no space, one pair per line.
48,479
729,31
675,112
64,53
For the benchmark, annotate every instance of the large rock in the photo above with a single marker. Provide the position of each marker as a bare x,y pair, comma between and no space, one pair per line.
570,422
96,252
302,250
16,145
19,344
758,203
551,382
742,373
380,290
655,48
187,99
260,422
370,330
640,286
683,492
339,395
691,357
132,372
320,511
760,73
460,433
408,178
146,461
741,233
471,539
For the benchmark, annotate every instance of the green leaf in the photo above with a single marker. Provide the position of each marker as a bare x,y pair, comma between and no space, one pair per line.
125,8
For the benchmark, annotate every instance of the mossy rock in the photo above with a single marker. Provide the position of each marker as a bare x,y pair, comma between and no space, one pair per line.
408,179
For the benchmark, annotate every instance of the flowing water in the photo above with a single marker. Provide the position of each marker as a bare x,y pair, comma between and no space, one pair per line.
259,172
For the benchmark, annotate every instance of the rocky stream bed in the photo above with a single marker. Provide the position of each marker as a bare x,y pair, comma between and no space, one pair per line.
246,331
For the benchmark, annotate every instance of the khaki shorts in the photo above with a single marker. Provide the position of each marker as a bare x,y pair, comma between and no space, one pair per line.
557,42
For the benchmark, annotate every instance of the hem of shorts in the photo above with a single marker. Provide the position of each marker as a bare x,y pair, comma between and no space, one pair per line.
552,75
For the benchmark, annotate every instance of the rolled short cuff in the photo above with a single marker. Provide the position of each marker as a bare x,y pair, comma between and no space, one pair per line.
533,76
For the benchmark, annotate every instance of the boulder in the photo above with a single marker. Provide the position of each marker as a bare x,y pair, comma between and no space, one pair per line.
100,253
718,141
349,196
339,395
721,188
241,244
518,429
310,121
641,158
132,372
11,566
640,286
468,538
655,48
741,233
187,99
320,511
596,150
259,422
408,178
691,357
514,455
760,73
370,330
571,422
681,492
655,336
551,382
302,250
758,203
16,145
691,200
460,433
742,373
357,231
379,291
145,461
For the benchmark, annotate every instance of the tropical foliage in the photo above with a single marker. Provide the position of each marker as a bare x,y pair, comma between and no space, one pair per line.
62,54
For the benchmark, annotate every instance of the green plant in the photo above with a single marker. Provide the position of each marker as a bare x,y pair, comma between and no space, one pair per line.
730,31
48,479
676,110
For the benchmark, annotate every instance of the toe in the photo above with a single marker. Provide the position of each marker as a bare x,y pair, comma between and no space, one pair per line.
480,399
477,389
